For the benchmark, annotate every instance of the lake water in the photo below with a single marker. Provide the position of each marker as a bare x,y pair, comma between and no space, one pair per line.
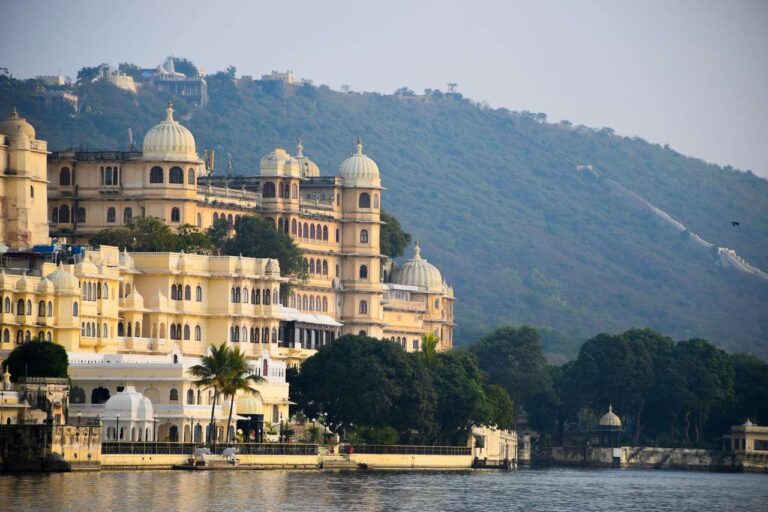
524,490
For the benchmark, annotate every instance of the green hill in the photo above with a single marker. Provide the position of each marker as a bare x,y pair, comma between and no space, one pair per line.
496,200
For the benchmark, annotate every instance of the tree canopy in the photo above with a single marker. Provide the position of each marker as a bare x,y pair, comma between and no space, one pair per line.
151,234
394,239
259,238
37,358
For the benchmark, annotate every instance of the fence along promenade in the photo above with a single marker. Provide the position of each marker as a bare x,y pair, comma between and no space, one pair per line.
152,448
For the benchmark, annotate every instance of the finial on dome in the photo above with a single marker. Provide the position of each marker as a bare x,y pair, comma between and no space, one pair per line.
299,148
359,146
169,111
416,251
14,114
610,407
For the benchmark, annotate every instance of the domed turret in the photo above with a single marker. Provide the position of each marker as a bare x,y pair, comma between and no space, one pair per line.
360,171
45,286
308,167
279,163
130,405
250,404
610,419
273,267
169,140
418,272
16,124
23,285
134,301
64,281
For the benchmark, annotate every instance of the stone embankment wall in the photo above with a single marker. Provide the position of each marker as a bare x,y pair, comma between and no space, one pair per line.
164,461
657,458
406,461
49,447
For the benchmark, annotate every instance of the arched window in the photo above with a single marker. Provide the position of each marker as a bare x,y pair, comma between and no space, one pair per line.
190,397
325,304
186,332
325,267
173,292
312,232
7,303
127,215
363,309
265,335
337,236
176,176
19,337
255,337
294,191
64,214
75,309
243,334
376,201
198,333
265,369
199,220
20,307
156,175
267,297
6,336
275,296
77,395
311,303
55,216
268,190
363,236
363,271
191,177
173,331
105,291
111,215
215,217
232,295
245,295
311,266
199,294
29,307
293,227
121,329
175,214
364,201
274,335
50,308
305,303
306,230
41,308
80,217
187,292
65,179
173,396
325,233
256,296
280,224
230,221
99,395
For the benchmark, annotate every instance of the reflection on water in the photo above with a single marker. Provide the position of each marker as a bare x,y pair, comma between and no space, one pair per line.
525,490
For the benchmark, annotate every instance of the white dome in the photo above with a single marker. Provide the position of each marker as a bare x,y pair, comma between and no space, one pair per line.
360,171
45,286
134,301
610,419
279,163
15,125
63,280
250,404
418,272
308,167
169,140
130,405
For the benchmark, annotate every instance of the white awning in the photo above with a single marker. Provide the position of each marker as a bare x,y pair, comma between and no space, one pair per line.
294,315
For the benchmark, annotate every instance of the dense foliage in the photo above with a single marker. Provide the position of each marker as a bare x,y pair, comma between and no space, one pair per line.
37,358
394,239
377,388
150,234
674,394
495,199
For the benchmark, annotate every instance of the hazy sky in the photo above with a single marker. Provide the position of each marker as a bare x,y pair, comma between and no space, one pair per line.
693,74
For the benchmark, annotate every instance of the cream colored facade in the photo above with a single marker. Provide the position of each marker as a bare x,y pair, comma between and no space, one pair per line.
747,438
335,220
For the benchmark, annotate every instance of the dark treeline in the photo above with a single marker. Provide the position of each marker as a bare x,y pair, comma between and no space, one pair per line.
685,393
374,391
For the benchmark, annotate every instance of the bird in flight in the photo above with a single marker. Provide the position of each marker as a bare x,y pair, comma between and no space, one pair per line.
735,223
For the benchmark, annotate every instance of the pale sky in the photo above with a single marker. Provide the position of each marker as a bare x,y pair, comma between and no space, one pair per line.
689,73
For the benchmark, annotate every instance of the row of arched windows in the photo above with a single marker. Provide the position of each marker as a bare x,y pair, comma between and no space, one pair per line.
177,332
316,266
179,292
94,330
92,291
26,336
364,201
25,308
112,215
231,220
309,302
241,295
309,231
252,334
109,176
286,191
175,175
128,331
61,215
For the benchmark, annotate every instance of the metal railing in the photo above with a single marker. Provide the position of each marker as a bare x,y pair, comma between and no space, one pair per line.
165,448
394,449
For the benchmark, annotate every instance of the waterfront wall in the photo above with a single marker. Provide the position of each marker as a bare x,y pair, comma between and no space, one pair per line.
406,461
49,447
158,461
657,458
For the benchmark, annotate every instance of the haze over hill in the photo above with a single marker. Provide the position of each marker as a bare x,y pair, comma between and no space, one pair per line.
498,201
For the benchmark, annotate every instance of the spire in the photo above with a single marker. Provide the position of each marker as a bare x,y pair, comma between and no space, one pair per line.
169,112
610,408
299,148
359,150
14,115
416,251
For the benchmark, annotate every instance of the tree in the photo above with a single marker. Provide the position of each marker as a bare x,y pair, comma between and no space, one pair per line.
185,66
513,358
502,409
192,240
213,373
37,358
394,239
258,238
750,389
151,234
429,343
130,69
238,378
232,72
87,74
219,233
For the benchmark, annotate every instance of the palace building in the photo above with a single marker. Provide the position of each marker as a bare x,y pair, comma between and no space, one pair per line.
134,323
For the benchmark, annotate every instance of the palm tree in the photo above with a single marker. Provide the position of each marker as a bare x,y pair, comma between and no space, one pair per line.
429,343
212,373
238,379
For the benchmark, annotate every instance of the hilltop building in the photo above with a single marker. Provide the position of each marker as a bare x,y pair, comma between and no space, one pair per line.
143,319
280,76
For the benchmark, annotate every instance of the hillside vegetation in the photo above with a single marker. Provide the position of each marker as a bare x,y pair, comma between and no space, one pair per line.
496,201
